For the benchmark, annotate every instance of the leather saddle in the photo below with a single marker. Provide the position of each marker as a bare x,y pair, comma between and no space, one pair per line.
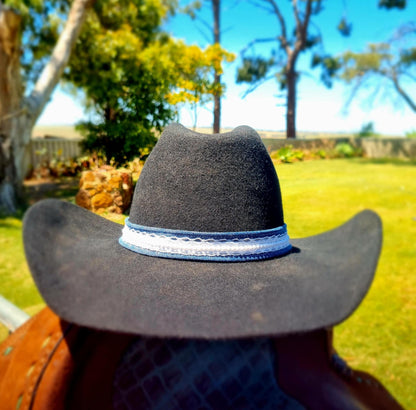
48,363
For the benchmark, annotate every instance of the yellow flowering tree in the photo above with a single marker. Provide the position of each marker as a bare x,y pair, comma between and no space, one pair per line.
135,75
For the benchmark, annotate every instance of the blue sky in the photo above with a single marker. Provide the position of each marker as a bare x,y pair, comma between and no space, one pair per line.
318,108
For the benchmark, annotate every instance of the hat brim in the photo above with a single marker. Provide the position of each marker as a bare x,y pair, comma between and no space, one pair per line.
87,278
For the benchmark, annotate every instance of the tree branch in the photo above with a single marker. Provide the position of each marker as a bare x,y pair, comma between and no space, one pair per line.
353,93
52,72
403,93
302,26
279,15
256,41
256,85
296,13
301,31
202,32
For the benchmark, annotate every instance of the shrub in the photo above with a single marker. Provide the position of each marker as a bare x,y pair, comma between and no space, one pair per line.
57,166
287,154
116,142
346,150
321,153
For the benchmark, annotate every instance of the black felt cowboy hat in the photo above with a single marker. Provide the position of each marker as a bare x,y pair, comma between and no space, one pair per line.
204,253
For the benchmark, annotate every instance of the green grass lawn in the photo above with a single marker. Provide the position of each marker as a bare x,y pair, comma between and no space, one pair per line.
380,336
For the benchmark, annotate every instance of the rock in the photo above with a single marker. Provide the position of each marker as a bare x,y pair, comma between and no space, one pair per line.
87,176
118,200
115,182
106,190
83,199
101,200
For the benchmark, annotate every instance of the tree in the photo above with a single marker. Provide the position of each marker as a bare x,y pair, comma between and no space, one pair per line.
393,62
397,67
215,31
216,5
19,110
285,54
196,75
143,74
123,90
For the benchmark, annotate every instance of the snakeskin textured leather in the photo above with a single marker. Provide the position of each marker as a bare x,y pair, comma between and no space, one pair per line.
196,374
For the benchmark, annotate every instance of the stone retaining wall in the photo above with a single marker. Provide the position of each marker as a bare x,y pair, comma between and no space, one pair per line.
105,190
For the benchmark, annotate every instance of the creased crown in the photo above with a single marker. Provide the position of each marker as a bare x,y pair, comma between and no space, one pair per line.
208,183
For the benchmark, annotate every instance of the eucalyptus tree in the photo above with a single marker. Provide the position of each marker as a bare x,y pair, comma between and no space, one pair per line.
384,69
47,46
286,48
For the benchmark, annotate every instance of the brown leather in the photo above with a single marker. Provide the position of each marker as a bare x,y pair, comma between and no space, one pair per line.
52,385
25,355
307,372
50,364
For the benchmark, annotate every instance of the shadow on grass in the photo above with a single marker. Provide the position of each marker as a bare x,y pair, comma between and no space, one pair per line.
64,188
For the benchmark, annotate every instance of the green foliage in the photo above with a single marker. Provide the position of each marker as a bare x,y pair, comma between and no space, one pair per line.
253,69
367,130
391,4
312,40
321,153
287,154
191,8
374,60
133,74
344,27
345,150
408,57
116,141
385,62
329,67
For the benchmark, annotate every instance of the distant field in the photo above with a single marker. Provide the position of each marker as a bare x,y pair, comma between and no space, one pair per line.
68,131
282,134
62,131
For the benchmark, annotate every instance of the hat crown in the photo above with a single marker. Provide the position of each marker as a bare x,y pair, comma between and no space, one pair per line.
208,183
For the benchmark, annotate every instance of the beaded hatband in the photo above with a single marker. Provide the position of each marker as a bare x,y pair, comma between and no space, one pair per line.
207,246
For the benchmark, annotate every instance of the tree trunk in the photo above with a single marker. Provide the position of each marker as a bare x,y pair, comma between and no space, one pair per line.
18,115
10,97
217,107
291,103
217,77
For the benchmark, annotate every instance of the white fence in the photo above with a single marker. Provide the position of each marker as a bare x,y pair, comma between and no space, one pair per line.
46,149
